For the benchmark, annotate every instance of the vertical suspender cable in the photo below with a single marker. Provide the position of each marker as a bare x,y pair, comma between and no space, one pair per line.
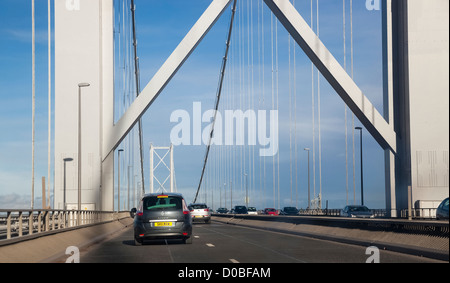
313,112
259,93
319,117
253,92
49,100
290,113
353,115
219,92
138,89
33,98
263,88
295,123
345,106
273,101
278,155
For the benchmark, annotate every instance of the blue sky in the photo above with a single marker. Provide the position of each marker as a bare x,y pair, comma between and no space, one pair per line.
161,25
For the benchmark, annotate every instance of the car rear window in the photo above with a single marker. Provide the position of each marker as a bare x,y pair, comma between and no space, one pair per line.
162,203
358,208
199,206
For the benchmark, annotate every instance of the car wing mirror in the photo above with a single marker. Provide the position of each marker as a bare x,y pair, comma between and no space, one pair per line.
133,212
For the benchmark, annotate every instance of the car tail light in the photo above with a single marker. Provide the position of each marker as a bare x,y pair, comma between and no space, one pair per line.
185,234
207,209
185,212
140,213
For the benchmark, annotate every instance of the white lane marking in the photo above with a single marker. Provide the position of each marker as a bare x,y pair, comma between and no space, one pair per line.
233,260
255,244
210,245
196,237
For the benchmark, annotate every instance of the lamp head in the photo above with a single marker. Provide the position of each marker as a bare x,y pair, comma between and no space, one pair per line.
83,85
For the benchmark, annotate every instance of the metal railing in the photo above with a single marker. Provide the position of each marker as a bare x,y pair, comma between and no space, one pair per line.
378,213
25,223
427,227
416,213
419,213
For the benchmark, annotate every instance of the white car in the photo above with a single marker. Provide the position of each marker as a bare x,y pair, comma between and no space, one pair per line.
252,211
200,212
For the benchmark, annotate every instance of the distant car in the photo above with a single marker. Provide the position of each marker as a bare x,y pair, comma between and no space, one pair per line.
357,211
222,210
442,210
200,212
252,211
240,209
270,211
289,211
162,216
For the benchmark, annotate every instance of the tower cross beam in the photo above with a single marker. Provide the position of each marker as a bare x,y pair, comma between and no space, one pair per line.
334,73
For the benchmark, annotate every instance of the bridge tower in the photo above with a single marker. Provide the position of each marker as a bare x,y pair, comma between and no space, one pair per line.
161,158
84,54
416,71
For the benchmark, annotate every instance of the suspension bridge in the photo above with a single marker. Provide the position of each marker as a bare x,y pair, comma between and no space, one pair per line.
300,104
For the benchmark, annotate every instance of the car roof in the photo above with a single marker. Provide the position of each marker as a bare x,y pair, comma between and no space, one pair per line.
160,194
356,205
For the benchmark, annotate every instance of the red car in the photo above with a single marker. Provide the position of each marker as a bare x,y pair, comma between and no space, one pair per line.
271,211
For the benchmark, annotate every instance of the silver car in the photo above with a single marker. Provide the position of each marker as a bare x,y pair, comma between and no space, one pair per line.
200,212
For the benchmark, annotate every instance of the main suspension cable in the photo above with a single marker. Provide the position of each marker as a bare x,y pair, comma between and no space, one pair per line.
138,88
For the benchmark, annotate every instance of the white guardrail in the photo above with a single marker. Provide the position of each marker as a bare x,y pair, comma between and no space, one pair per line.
17,223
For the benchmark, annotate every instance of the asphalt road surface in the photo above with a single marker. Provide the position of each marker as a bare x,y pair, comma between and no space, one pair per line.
222,243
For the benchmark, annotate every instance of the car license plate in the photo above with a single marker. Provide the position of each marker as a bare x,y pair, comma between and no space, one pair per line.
198,216
163,224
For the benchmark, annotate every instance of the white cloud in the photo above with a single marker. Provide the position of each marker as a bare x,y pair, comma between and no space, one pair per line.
14,201
25,35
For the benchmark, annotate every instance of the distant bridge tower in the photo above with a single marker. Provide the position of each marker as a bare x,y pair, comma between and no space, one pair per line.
161,162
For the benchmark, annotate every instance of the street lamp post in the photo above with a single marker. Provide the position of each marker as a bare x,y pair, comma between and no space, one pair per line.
362,180
64,201
225,193
246,190
231,194
80,85
309,187
118,182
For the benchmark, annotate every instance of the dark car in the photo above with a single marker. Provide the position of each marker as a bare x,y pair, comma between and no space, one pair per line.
442,210
289,211
357,211
162,216
222,210
240,209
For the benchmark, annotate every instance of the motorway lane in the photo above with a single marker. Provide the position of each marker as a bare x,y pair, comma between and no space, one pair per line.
222,243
